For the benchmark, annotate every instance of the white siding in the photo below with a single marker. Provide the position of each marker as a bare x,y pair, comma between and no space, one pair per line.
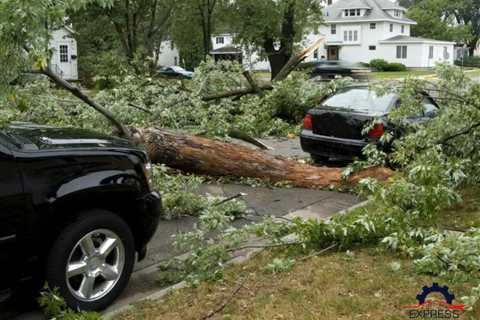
169,55
65,64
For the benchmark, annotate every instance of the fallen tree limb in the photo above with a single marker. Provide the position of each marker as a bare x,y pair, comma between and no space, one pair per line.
235,93
296,60
282,75
123,131
211,157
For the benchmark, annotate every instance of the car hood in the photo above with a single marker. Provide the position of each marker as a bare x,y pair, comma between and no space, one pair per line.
29,138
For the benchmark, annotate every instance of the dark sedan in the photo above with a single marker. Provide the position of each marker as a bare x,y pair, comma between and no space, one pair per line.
333,130
328,70
175,72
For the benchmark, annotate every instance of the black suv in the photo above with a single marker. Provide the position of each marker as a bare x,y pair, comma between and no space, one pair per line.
76,210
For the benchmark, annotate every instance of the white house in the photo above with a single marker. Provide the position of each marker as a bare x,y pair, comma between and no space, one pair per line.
223,47
169,55
64,59
354,31
363,30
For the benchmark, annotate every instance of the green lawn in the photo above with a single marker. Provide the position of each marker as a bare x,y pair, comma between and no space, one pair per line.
401,74
365,284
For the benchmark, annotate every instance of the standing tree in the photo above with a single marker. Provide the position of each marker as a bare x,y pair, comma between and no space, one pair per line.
139,27
273,26
448,20
194,24
467,12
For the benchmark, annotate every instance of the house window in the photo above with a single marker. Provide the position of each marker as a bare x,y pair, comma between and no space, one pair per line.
172,46
446,55
358,12
352,12
430,52
333,29
175,61
220,40
350,35
373,26
391,27
345,36
315,54
346,13
355,35
372,48
63,53
401,52
403,29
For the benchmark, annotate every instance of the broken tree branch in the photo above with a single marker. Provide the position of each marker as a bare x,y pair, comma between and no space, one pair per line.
283,74
252,82
123,131
296,60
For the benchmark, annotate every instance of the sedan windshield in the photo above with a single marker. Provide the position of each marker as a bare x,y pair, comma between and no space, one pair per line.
360,99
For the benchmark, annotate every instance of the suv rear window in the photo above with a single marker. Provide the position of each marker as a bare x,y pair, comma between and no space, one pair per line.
360,99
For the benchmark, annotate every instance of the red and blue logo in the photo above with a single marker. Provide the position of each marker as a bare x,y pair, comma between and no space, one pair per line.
435,309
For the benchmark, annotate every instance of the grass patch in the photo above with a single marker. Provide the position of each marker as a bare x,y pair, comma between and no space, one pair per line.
463,216
401,74
361,285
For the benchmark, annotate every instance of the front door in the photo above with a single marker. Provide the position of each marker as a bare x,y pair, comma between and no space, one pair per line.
11,214
332,53
66,60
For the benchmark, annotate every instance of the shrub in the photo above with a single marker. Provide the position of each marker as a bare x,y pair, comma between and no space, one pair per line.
395,67
382,65
379,64
469,62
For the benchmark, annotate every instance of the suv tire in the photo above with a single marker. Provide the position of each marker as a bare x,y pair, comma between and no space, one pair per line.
91,261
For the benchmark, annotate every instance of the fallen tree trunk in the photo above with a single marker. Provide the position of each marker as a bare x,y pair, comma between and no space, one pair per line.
211,157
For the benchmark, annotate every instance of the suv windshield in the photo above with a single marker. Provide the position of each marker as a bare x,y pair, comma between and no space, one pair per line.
360,99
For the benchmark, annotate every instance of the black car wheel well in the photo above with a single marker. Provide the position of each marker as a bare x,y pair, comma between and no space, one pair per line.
67,212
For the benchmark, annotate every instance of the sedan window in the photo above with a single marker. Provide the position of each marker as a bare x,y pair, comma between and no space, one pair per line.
360,99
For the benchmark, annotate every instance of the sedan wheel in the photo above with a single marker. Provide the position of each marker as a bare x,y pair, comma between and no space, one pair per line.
95,265
91,261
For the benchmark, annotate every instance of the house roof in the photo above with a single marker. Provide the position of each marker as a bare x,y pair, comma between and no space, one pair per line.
227,50
408,39
376,11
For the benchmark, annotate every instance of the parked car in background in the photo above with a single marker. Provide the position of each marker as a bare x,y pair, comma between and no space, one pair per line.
333,130
76,210
328,70
175,72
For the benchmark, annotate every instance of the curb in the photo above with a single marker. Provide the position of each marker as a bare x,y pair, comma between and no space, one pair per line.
247,255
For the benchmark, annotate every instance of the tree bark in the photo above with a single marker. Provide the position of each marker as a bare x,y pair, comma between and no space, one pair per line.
277,61
211,157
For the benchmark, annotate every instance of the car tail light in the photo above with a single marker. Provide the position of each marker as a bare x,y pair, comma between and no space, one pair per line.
307,122
377,131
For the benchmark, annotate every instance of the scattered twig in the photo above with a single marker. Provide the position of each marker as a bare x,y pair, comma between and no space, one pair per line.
140,108
265,246
317,253
237,134
226,302
239,195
